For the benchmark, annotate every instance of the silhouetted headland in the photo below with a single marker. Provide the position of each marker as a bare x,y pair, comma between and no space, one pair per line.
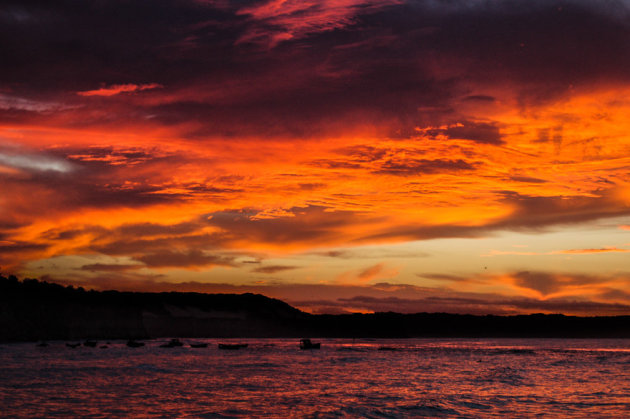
32,310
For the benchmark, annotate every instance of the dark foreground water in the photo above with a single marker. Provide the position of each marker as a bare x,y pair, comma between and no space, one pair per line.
273,378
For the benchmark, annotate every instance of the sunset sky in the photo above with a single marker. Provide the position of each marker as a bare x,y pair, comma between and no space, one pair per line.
342,155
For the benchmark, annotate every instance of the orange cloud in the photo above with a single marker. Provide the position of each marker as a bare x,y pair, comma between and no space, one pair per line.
371,272
336,136
364,276
119,88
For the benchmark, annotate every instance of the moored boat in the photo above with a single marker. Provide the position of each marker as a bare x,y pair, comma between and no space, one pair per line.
134,344
198,345
172,344
307,344
232,346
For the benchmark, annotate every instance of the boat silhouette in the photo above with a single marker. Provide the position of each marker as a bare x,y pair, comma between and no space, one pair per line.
307,344
198,345
232,346
172,344
134,344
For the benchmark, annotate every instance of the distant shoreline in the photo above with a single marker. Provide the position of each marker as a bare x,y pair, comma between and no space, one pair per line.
32,310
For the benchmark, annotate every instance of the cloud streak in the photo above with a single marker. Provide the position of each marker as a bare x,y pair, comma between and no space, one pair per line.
118,89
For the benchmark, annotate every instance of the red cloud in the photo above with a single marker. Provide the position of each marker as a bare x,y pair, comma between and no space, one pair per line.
119,88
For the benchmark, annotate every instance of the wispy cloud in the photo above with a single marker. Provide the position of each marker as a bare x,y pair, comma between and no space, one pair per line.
119,88
284,20
22,159
557,252
370,273
23,104
590,251
272,269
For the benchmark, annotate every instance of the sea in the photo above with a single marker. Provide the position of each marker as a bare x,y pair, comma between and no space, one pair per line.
363,378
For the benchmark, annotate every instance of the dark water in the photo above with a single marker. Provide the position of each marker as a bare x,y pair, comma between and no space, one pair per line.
273,378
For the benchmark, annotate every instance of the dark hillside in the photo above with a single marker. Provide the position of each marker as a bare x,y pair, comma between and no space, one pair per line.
37,310
32,310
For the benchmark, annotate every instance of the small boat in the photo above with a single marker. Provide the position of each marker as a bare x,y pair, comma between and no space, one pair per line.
134,344
387,348
307,344
73,345
232,346
42,344
172,344
198,345
90,343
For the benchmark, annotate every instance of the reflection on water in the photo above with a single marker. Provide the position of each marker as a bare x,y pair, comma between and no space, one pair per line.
420,377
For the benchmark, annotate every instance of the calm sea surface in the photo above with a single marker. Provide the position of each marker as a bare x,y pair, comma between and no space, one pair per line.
273,378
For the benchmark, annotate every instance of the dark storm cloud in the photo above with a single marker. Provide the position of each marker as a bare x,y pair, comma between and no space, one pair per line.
8,223
191,258
382,297
444,277
106,267
315,224
615,294
11,252
62,183
391,161
109,155
272,269
414,167
130,245
549,283
479,98
475,131
527,179
398,65
542,211
72,192
18,247
311,186
364,153
81,44
305,224
529,213
542,282
480,306
69,234
335,164
152,229
96,177
154,244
